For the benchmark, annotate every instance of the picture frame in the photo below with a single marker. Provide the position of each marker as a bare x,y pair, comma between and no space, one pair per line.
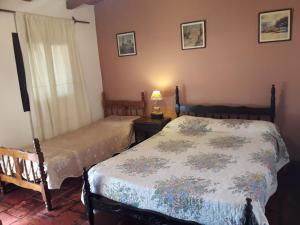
126,44
275,25
193,35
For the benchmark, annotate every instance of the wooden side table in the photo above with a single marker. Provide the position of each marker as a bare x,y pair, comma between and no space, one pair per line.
146,127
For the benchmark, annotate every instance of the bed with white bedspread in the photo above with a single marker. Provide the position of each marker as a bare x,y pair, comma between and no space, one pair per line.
197,169
65,155
45,165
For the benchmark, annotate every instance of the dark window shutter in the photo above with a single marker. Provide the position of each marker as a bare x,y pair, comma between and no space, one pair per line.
21,72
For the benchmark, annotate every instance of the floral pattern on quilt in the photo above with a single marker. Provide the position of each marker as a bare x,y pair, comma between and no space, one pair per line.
175,146
236,123
232,142
122,193
265,158
143,166
273,137
178,193
209,161
194,128
253,185
197,169
270,136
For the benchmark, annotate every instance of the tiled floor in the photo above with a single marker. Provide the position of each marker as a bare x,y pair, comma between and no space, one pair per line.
23,207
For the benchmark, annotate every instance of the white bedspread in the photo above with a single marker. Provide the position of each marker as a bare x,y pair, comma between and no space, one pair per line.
197,169
66,155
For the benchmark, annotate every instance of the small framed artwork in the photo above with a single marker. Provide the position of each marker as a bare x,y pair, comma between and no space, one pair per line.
193,35
275,26
126,44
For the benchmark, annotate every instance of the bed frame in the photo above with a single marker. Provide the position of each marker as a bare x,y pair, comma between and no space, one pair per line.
124,107
98,202
13,173
228,112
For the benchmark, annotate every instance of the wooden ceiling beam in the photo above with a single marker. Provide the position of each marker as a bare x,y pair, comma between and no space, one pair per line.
72,4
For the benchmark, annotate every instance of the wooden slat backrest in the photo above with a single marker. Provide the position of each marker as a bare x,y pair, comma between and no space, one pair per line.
124,107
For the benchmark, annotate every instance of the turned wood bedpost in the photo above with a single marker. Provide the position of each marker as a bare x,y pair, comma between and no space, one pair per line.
144,103
87,197
44,185
177,102
248,212
273,103
2,184
104,104
2,188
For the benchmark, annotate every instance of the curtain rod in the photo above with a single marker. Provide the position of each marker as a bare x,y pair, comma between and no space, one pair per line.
73,18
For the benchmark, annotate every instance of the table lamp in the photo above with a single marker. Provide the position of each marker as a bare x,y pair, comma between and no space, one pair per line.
156,113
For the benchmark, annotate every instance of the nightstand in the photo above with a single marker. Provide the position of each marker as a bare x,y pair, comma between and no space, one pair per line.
146,127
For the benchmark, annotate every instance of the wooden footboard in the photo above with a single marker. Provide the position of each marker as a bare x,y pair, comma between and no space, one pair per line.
17,167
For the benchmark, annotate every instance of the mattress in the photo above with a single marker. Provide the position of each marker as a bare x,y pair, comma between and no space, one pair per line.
198,169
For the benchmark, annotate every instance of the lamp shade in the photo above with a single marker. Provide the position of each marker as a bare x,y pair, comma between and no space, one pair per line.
156,96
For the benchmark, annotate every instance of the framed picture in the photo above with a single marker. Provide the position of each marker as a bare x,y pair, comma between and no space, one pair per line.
193,35
275,26
126,44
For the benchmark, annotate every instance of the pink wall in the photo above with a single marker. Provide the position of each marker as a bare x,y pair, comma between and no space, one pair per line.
233,69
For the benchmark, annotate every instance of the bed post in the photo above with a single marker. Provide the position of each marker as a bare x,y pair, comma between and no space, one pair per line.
248,212
2,187
144,103
44,185
87,197
177,102
273,103
104,104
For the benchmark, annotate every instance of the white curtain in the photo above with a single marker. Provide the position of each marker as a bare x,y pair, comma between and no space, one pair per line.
58,92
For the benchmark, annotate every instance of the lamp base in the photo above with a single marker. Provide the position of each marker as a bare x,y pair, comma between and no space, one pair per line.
157,115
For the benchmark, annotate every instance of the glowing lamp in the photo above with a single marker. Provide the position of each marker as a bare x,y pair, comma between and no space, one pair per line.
156,113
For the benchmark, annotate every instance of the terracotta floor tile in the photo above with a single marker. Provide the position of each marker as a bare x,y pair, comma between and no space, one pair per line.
78,207
17,196
76,196
34,220
58,209
4,206
7,219
69,218
25,208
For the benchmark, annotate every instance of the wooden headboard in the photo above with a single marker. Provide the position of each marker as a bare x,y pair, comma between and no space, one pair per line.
222,111
124,107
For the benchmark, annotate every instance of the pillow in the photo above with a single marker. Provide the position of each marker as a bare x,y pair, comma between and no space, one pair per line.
120,118
205,124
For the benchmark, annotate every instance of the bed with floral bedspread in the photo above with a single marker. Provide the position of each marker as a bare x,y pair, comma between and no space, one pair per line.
197,169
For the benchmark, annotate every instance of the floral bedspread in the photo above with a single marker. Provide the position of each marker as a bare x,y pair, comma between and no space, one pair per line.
198,169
